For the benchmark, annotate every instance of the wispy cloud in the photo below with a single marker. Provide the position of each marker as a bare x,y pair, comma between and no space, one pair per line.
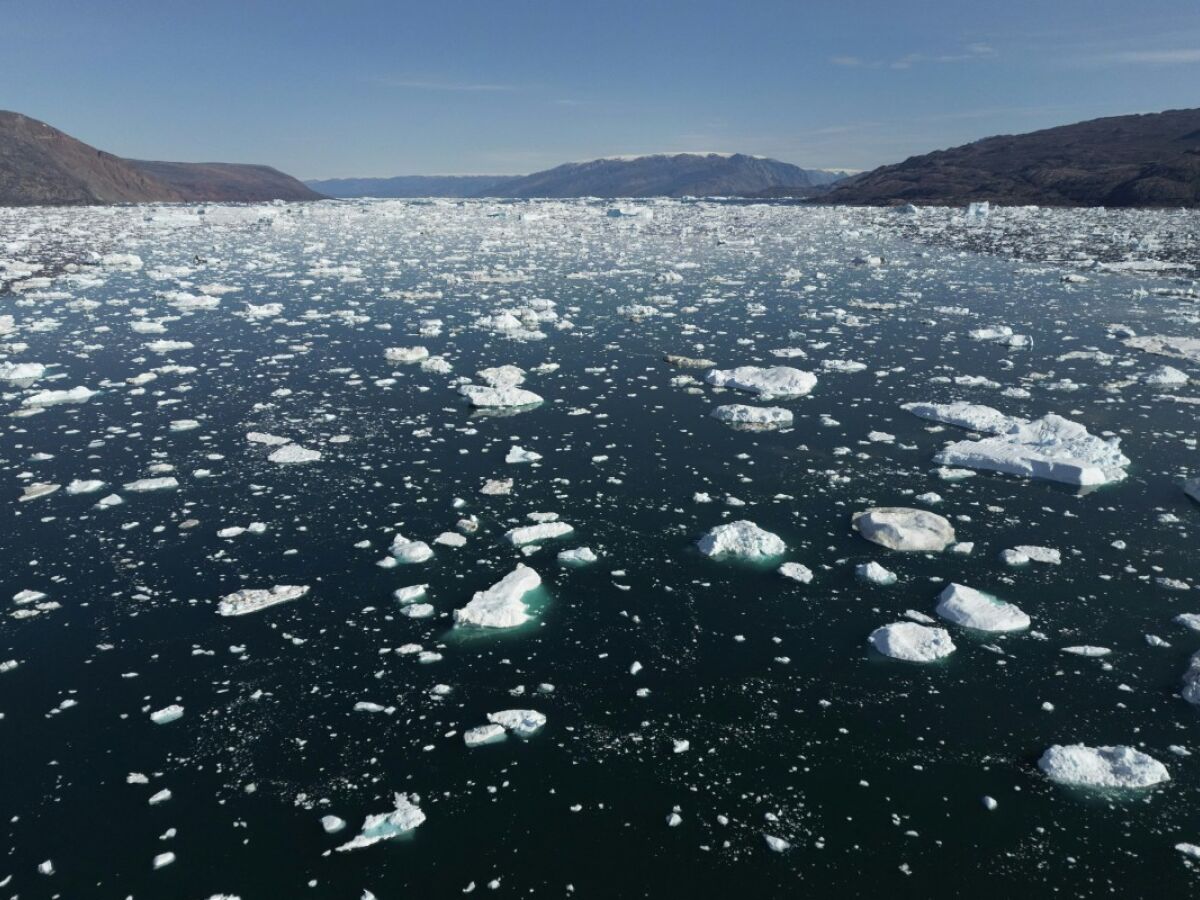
1157,57
969,53
423,84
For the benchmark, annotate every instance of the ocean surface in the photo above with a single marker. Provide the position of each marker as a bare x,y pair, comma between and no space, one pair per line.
871,769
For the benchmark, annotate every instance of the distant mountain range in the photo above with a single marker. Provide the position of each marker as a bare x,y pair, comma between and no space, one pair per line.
42,165
1140,160
654,175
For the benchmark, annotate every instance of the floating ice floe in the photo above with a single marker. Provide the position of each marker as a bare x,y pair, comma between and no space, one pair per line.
167,714
36,490
383,826
521,455
290,454
1024,554
1166,376
21,372
753,417
741,540
970,608
1191,679
1102,767
408,551
768,383
873,573
534,534
499,397
144,485
249,600
405,354
59,398
912,642
972,416
796,572
577,557
1051,447
501,605
1088,650
1177,347
903,528
481,735
524,723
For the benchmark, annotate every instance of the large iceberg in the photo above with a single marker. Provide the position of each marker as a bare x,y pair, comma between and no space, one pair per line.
1051,447
1102,767
743,540
773,381
903,528
501,605
970,608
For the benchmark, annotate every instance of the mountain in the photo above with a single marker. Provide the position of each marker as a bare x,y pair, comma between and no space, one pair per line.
657,175
413,186
40,165
664,175
242,182
1139,160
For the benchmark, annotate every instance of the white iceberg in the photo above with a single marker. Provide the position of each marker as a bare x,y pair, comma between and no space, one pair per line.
523,723
499,397
1051,447
972,416
904,528
59,398
535,534
753,417
1102,767
768,383
501,605
294,453
970,608
383,826
912,642
743,540
873,573
249,600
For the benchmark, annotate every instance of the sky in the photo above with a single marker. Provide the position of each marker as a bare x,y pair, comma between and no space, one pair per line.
349,88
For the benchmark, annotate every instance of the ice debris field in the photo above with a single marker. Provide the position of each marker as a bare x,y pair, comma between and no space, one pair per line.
664,548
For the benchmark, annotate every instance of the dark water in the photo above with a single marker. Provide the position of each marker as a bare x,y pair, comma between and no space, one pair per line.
873,769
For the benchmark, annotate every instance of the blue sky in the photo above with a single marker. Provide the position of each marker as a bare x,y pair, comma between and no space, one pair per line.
507,86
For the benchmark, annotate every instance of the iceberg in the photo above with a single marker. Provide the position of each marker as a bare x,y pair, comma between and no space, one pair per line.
903,528
768,383
970,608
59,398
383,826
873,573
294,453
742,540
501,605
912,642
533,534
1102,767
249,600
753,417
1051,447
524,723
499,397
972,416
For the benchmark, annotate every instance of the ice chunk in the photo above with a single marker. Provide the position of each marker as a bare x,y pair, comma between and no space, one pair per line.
142,485
753,417
294,453
383,826
912,642
534,534
523,723
578,556
521,455
970,608
768,383
1024,554
1102,767
903,528
17,372
741,540
249,600
501,605
332,824
408,551
796,572
167,714
36,490
972,416
484,734
84,487
1051,447
405,354
59,398
410,594
499,397
502,376
873,573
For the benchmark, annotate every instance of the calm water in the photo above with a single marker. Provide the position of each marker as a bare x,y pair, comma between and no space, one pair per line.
873,769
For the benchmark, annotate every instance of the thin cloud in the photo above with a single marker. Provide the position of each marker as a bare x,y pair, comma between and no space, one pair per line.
421,84
970,53
1157,57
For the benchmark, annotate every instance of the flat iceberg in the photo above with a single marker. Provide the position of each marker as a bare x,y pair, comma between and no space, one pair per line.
59,398
970,608
501,605
142,485
903,528
912,642
770,382
383,826
409,551
167,714
294,453
972,416
1051,447
753,417
534,534
742,540
523,723
1102,767
249,600
499,397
